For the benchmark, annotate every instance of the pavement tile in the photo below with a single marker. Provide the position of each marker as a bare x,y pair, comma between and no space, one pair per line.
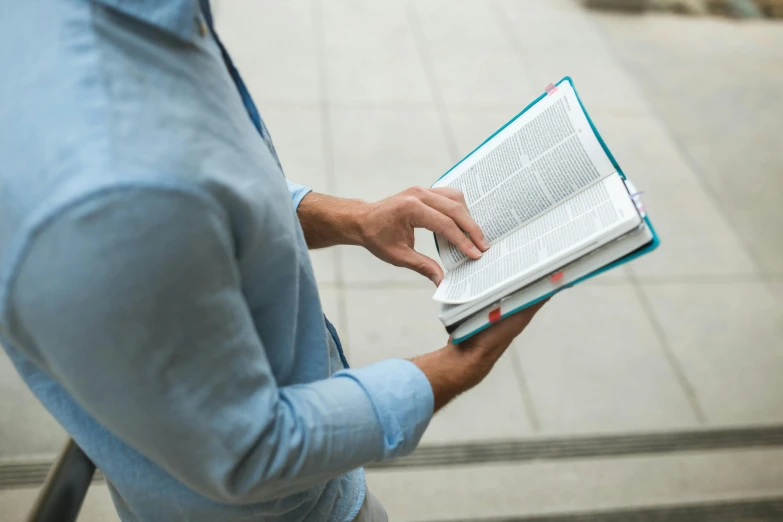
728,339
330,302
593,364
777,288
727,126
546,31
15,504
371,54
556,43
750,201
379,152
727,144
768,35
460,26
273,45
644,149
394,323
600,82
391,322
297,136
27,428
495,80
493,410
696,237
474,61
324,265
542,7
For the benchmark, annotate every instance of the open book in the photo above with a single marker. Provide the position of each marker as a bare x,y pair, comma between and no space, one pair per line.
554,205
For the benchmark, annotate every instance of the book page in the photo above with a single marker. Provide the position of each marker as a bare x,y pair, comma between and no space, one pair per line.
543,157
579,223
573,271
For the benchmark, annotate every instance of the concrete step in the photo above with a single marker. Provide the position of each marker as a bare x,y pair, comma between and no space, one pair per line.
708,486
715,475
714,486
15,505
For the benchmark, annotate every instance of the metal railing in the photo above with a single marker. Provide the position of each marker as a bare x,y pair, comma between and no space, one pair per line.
62,495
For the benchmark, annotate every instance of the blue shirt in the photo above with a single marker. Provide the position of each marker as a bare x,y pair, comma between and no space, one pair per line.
156,292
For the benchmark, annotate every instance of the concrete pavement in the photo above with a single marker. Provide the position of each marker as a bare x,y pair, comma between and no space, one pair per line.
364,99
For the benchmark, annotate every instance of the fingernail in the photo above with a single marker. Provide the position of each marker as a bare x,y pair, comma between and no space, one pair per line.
476,251
484,243
434,280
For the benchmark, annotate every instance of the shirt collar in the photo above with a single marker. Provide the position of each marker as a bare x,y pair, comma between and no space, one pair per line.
178,17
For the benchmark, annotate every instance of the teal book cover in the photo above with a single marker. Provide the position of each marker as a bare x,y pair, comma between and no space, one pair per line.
649,247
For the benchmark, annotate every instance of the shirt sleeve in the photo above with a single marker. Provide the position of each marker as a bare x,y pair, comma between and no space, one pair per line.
298,192
132,301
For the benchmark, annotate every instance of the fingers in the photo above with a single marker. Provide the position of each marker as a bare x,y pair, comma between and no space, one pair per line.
514,324
451,193
421,264
428,217
524,316
502,333
451,202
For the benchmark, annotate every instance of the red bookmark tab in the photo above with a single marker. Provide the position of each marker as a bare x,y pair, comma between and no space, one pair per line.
551,88
494,315
557,277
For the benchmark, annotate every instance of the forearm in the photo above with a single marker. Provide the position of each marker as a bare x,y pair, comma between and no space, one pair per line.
196,393
329,221
454,369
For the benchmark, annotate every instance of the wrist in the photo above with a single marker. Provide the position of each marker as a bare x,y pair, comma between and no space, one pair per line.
453,370
352,217
329,221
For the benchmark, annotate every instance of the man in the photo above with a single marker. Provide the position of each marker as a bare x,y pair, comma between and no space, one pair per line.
155,288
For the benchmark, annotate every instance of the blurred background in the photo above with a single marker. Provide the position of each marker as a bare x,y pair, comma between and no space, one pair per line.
654,392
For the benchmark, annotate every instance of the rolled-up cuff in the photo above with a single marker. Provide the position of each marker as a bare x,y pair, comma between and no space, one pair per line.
401,396
298,192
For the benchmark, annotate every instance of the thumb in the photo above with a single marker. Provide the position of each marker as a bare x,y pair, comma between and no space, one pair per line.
422,264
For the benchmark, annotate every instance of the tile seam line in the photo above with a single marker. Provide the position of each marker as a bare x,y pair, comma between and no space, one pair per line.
674,363
524,390
319,42
502,18
655,113
680,375
414,22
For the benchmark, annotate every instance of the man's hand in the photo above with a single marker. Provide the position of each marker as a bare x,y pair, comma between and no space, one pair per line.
456,368
386,227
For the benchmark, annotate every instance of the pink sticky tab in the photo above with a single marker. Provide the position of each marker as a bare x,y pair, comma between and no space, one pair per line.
556,277
551,88
494,315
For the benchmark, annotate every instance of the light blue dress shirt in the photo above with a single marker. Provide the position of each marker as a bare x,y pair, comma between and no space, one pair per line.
156,292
